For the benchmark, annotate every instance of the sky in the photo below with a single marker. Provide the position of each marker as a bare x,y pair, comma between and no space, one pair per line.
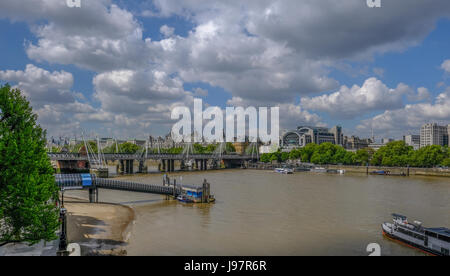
118,68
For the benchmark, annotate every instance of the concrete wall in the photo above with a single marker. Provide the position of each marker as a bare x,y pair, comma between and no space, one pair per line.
395,170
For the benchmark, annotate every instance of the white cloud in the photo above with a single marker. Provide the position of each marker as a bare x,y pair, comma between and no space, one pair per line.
42,86
423,94
200,92
263,52
348,103
50,96
167,31
446,66
99,36
411,117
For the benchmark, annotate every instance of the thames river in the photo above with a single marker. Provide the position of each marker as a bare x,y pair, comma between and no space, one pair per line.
265,213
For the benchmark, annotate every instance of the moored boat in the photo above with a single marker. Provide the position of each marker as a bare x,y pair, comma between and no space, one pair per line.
284,170
433,241
319,170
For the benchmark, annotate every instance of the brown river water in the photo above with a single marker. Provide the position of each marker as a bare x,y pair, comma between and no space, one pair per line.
265,213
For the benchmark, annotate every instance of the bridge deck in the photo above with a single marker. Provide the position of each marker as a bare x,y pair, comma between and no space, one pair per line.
119,156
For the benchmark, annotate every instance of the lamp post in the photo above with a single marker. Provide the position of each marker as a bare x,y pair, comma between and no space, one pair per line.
62,248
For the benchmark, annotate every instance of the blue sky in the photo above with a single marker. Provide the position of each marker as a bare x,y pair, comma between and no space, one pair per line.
117,68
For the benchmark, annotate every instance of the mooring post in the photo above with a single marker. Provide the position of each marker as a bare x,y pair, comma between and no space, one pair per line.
174,188
91,195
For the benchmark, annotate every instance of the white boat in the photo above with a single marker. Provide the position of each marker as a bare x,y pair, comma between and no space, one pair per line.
319,170
284,170
434,241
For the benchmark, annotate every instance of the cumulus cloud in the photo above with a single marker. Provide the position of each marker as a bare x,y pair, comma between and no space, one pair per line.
50,95
321,28
138,100
263,52
42,86
99,36
166,30
411,117
348,103
446,66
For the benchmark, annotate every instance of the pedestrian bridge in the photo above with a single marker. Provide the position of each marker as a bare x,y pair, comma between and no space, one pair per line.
91,181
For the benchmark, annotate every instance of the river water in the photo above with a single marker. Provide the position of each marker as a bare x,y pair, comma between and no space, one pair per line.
265,213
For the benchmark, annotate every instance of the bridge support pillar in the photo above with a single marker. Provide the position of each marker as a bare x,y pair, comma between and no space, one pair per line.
172,165
205,164
121,167
163,165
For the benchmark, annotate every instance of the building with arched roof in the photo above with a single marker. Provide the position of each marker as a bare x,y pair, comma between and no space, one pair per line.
304,135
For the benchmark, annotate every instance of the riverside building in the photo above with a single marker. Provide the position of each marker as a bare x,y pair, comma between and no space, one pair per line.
304,135
434,134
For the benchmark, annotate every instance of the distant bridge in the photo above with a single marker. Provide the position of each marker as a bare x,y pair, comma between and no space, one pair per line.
141,162
140,156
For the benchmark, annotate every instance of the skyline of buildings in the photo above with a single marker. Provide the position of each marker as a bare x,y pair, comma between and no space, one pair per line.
430,134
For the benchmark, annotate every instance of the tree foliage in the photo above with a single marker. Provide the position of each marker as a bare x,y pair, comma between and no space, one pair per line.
27,186
395,153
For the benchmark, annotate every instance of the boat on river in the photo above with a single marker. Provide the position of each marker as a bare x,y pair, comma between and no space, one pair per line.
319,170
387,173
433,241
284,170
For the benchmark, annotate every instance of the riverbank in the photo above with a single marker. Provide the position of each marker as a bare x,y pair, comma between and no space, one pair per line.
363,169
394,170
100,229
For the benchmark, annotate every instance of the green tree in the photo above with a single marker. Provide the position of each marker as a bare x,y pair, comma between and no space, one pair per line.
284,156
446,162
265,157
91,145
295,154
27,186
362,157
307,152
428,156
395,153
198,148
128,148
230,147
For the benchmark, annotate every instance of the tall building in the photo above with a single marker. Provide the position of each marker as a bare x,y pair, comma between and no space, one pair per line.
304,135
433,134
412,140
386,140
338,135
448,135
355,143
